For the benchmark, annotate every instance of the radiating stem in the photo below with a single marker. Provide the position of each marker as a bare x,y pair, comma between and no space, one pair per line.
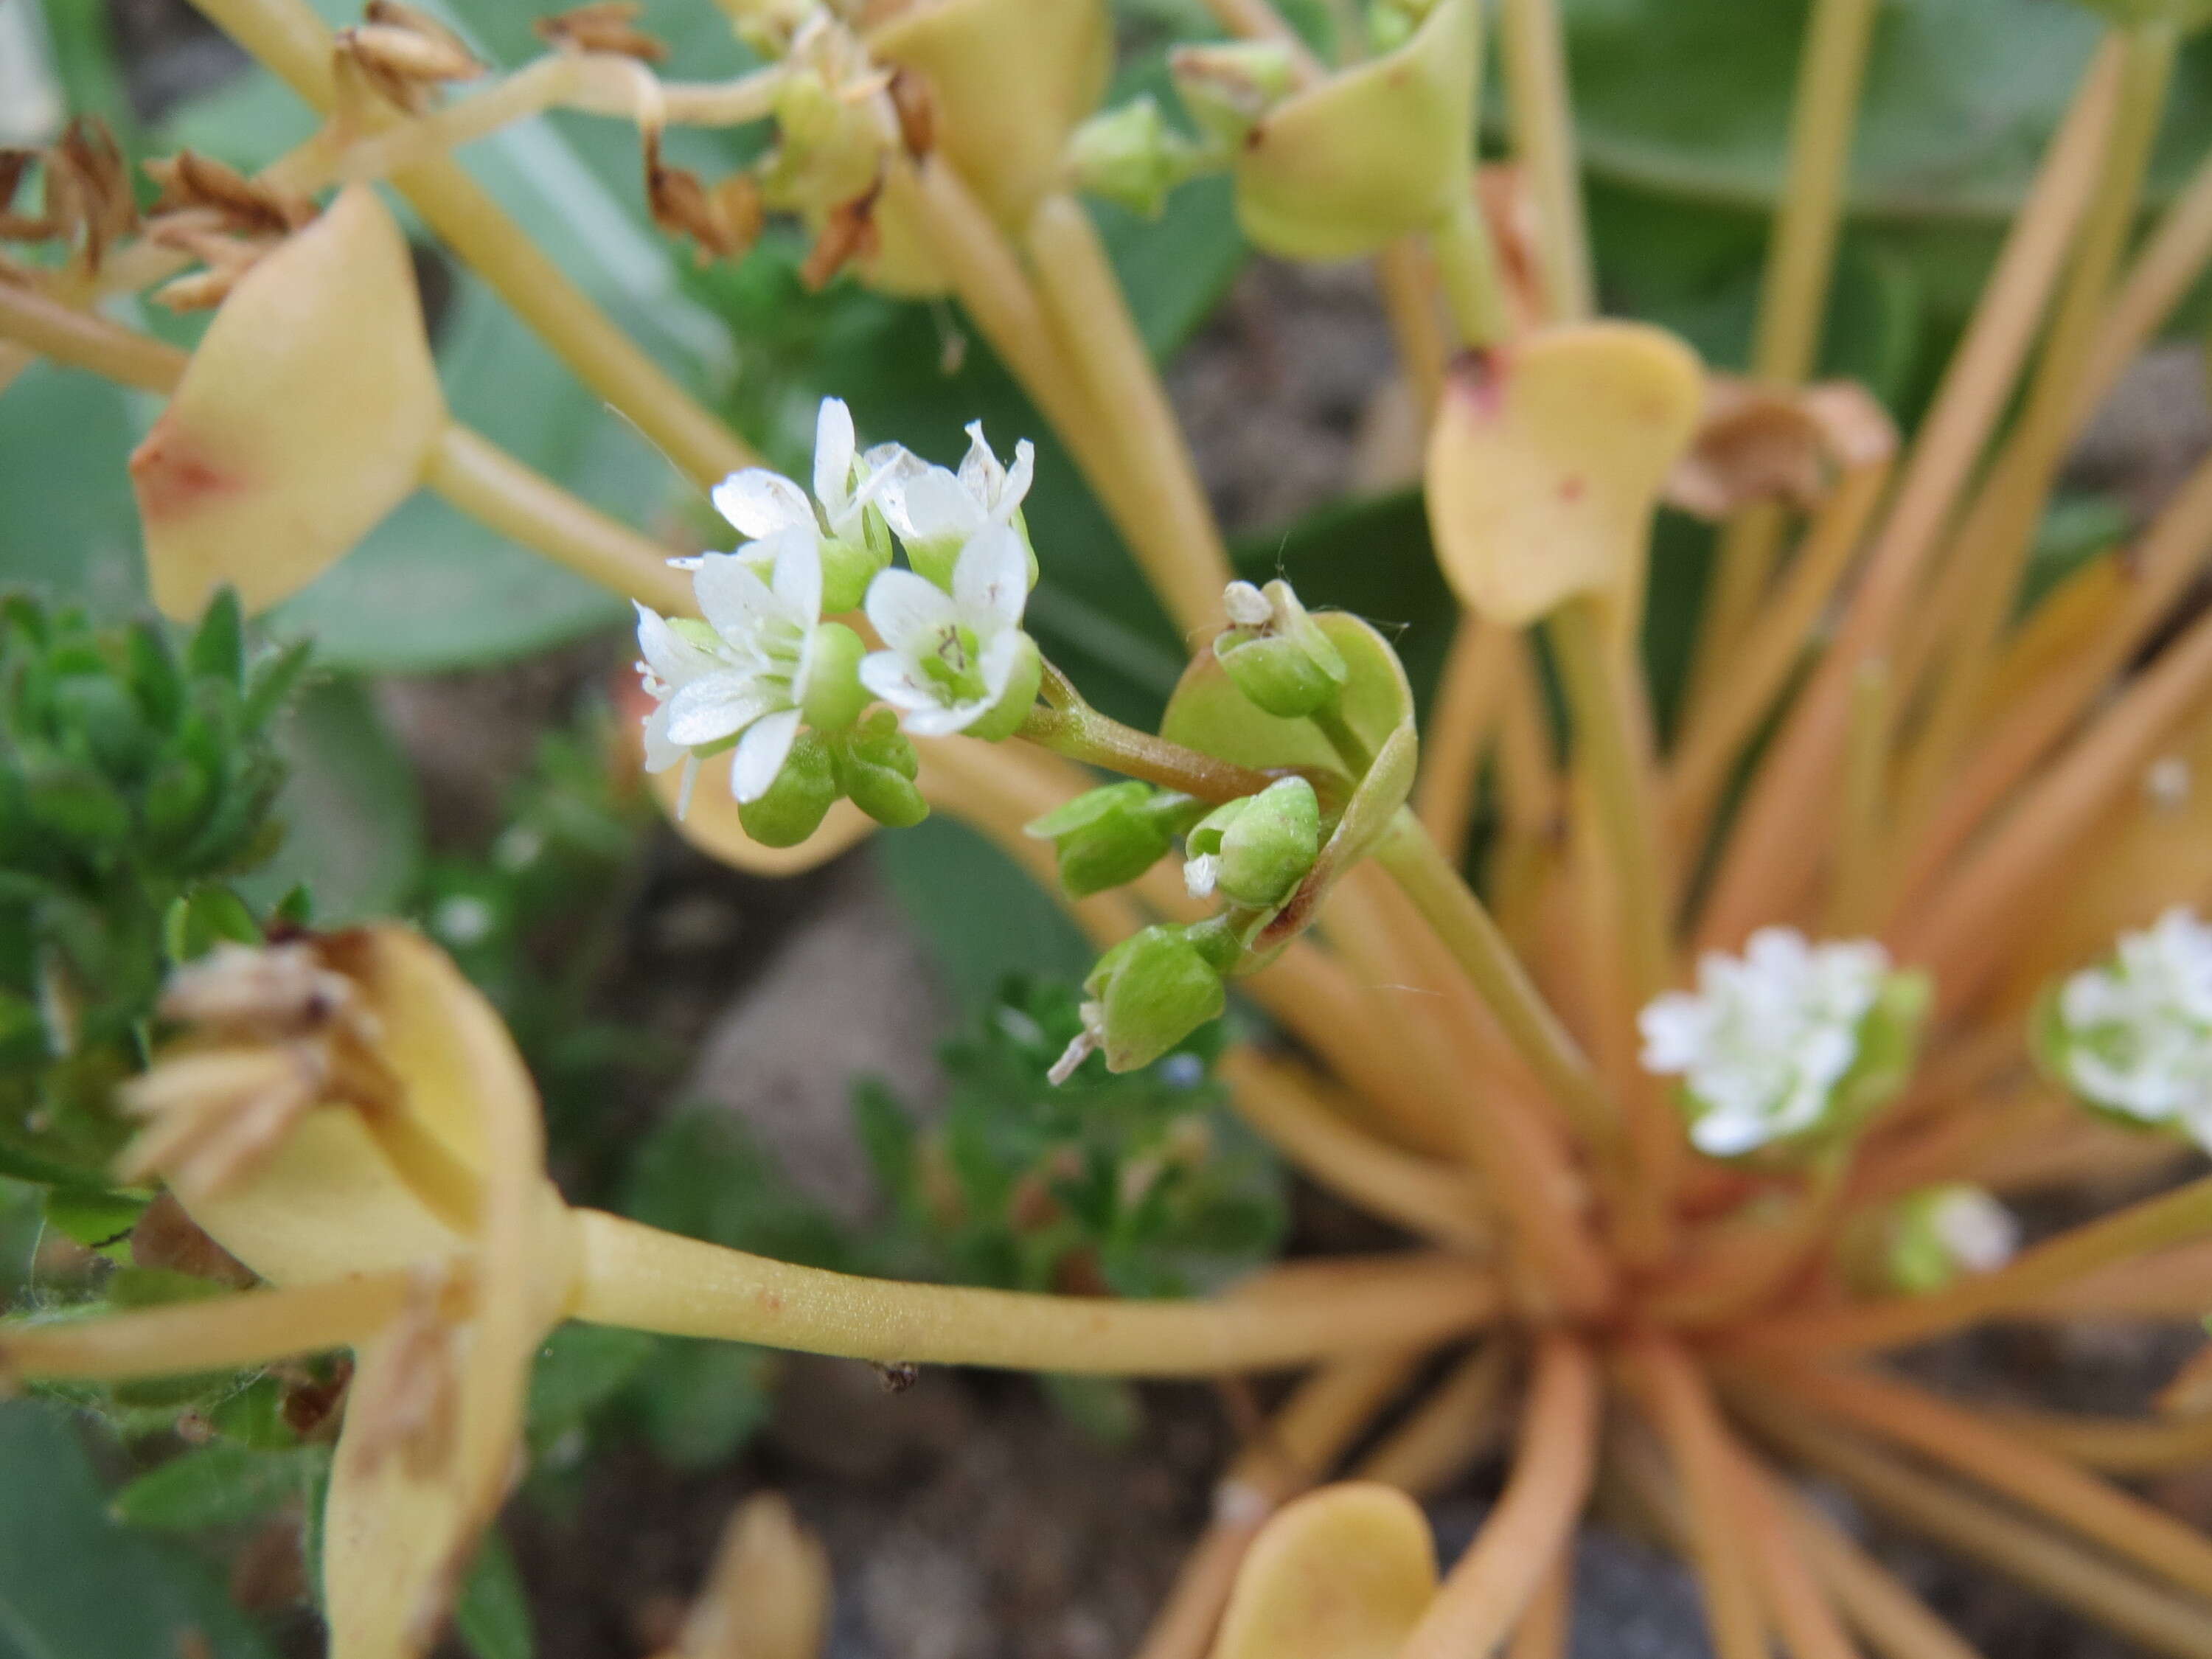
2170,1219
1532,1526
290,39
641,1278
1895,1622
1467,265
223,1334
1535,62
1859,865
1462,719
1448,1433
1796,1599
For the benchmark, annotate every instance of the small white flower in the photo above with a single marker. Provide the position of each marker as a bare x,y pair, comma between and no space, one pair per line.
2137,1031
951,657
742,674
1764,1041
935,510
761,505
1976,1231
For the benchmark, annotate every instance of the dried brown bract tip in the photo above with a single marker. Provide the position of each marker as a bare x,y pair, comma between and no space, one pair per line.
403,54
404,1400
270,1033
916,106
724,220
1777,443
608,26
87,199
848,233
224,197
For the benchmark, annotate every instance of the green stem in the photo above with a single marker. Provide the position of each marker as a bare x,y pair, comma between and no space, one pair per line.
1467,265
1067,725
1351,747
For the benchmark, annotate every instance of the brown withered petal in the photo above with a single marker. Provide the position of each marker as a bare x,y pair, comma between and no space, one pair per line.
916,108
603,25
402,53
1777,443
724,220
848,233
166,1236
274,991
108,207
244,206
408,1403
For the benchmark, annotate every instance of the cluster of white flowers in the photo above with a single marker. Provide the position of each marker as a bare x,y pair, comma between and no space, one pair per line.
758,663
2134,1035
1762,1043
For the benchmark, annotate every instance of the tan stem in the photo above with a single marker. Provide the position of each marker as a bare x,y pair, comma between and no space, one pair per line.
290,39
1257,20
2115,1445
1462,720
1796,1599
2163,272
1448,1433
1534,1522
1535,58
639,1277
1547,1621
1778,835
225,1334
1896,1623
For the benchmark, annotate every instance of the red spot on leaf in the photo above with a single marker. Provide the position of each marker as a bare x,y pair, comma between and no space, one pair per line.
1478,375
1571,487
173,473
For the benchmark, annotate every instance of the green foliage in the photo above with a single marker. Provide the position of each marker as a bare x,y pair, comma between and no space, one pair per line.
227,1483
139,776
492,1615
1136,1185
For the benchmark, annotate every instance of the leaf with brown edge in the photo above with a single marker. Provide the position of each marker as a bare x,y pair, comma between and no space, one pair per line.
307,414
1342,1573
1546,461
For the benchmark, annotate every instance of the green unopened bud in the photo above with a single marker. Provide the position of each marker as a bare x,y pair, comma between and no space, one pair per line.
796,803
1229,88
877,767
1112,834
1929,1239
1391,23
1255,851
1146,995
1130,157
835,696
848,568
1277,653
1016,702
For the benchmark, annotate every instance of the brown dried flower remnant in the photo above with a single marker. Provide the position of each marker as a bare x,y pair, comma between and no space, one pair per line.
1777,443
88,204
272,1034
609,26
224,219
724,219
403,54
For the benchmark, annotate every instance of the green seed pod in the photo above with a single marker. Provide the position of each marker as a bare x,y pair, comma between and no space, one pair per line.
1147,995
1128,156
1255,851
848,568
1112,835
799,799
1278,655
835,696
877,767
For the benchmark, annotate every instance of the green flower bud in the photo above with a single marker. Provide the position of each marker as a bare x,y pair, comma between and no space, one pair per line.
1255,852
1112,835
1146,995
877,767
1930,1238
1016,702
848,567
795,803
1129,156
835,696
1279,656
1229,88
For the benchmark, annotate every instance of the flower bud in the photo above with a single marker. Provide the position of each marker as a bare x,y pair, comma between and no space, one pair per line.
835,696
1278,655
1938,1234
877,767
1255,851
1146,995
1130,157
795,803
1229,88
1112,835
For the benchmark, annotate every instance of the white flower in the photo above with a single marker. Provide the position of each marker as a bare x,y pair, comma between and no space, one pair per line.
772,511
936,512
1764,1041
952,658
2136,1033
741,674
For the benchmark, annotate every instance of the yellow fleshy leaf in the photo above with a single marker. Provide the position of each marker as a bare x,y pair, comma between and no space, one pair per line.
1371,154
769,1595
1008,81
1343,1573
1546,461
306,415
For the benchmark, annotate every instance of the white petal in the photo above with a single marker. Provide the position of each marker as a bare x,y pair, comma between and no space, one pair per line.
1000,653
759,502
890,675
981,475
932,506
945,720
833,455
707,710
1016,487
761,755
735,600
910,613
673,660
798,580
660,754
992,580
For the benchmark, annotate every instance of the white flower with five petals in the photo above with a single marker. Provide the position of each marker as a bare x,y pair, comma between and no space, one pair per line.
956,661
743,673
2134,1035
772,511
936,512
1763,1042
